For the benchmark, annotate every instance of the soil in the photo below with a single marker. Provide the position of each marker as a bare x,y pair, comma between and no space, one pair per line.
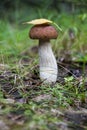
73,119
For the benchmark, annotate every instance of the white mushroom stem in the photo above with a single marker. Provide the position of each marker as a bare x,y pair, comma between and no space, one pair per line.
48,64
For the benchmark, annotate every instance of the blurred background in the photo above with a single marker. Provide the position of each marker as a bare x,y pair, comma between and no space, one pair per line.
70,15
31,9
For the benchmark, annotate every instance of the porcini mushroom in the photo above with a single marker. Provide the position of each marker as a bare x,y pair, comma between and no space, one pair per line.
48,65
44,32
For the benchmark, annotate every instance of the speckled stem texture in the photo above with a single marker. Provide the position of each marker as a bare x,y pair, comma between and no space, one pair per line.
48,64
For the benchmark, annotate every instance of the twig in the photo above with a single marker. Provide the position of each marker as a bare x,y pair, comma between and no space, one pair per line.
67,70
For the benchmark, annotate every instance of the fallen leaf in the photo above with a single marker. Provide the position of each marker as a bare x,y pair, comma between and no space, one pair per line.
42,21
39,21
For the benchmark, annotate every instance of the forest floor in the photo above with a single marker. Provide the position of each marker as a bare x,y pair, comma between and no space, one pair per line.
27,103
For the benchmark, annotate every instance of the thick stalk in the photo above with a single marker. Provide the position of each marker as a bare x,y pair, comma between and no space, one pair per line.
48,64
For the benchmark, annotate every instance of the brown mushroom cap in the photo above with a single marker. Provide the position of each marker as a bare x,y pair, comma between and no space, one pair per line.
43,32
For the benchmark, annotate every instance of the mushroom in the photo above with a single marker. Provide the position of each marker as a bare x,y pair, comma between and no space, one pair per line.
48,64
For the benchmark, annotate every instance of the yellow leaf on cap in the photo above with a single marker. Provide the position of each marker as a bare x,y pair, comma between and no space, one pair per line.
39,21
42,21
